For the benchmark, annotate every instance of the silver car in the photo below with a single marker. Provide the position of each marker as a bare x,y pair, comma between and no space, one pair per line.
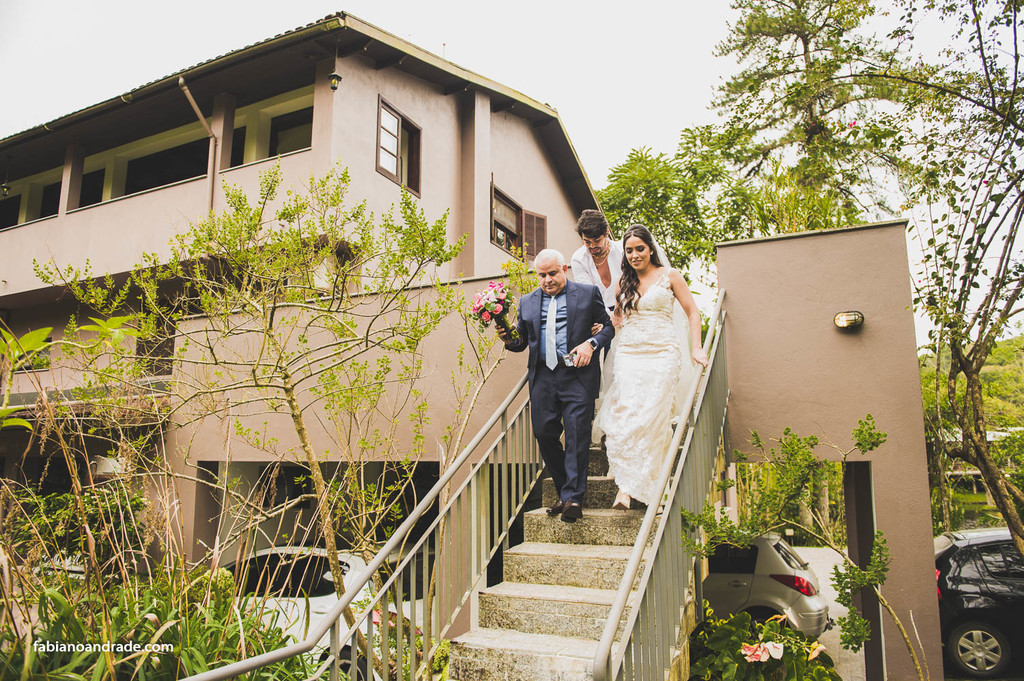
765,579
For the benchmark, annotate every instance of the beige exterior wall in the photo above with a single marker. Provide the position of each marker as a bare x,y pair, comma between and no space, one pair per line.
462,144
790,366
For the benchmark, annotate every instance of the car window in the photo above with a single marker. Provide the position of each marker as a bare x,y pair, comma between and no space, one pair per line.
789,555
733,560
990,556
1014,562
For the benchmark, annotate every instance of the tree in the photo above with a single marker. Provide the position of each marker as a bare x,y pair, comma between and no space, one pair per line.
790,101
963,161
294,310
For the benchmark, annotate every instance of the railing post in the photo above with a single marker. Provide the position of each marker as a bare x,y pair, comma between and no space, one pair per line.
335,652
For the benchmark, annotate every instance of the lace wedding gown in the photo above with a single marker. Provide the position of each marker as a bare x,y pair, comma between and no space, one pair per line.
636,413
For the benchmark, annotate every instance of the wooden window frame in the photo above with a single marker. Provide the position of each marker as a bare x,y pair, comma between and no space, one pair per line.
405,127
517,237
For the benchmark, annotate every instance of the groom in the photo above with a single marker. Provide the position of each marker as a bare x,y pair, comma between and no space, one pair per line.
555,323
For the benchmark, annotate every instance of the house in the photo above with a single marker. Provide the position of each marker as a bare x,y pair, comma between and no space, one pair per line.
120,178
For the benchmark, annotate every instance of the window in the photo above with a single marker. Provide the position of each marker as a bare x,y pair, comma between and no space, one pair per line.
156,352
733,560
92,188
506,221
50,201
512,227
9,211
291,131
237,147
535,233
178,163
398,148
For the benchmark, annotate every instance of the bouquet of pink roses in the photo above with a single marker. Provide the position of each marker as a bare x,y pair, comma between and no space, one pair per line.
493,304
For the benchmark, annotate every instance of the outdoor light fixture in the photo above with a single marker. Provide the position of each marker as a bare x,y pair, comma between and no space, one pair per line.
335,79
851,319
4,190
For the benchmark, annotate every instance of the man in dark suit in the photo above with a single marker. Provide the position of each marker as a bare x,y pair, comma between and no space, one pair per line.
555,323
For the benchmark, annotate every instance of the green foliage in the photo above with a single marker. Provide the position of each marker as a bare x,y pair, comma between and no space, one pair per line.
53,525
793,466
849,580
739,649
792,98
194,615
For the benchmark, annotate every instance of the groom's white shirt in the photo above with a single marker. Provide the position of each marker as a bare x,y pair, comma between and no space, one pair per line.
584,270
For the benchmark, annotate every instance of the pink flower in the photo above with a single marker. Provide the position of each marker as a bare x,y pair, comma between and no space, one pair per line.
486,316
755,653
497,309
853,124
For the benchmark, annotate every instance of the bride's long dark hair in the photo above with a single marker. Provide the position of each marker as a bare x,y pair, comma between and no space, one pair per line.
629,283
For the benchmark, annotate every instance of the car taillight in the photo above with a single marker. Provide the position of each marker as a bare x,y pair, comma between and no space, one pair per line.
796,583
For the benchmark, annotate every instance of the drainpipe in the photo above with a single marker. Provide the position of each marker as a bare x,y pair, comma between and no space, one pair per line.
211,166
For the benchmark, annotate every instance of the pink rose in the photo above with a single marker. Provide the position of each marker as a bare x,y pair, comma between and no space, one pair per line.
486,316
498,309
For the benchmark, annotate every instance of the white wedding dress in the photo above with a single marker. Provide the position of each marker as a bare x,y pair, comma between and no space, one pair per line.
636,413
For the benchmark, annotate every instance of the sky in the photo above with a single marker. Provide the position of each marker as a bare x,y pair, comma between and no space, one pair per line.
621,75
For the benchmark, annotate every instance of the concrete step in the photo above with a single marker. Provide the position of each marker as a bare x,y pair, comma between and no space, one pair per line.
597,462
599,567
601,491
483,654
546,609
602,526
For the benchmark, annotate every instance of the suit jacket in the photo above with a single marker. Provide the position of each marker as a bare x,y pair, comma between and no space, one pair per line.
583,306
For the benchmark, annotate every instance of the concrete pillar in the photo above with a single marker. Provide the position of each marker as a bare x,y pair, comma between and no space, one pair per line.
223,126
71,180
474,211
31,202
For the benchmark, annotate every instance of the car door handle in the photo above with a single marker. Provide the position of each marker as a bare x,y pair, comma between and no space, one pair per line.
738,582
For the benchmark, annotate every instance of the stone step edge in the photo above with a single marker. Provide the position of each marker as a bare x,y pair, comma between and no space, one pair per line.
555,550
551,592
537,644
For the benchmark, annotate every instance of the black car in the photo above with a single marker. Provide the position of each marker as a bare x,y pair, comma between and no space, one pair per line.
980,578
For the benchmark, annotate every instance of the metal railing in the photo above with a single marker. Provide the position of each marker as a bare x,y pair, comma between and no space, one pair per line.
435,574
654,625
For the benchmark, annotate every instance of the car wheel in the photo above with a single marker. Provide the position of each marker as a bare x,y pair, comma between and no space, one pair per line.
978,650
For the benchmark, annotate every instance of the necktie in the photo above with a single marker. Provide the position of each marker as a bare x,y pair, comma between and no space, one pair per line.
549,335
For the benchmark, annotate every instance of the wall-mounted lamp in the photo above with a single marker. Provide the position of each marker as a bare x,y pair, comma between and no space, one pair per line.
335,80
851,319
4,190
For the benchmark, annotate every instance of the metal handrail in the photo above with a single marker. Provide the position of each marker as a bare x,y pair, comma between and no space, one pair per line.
520,427
653,659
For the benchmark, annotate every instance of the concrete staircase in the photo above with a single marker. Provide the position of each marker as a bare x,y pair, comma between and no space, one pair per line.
543,622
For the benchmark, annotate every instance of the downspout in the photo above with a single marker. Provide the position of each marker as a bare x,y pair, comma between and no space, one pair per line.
211,166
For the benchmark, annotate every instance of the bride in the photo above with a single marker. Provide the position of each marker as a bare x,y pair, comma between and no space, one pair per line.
636,414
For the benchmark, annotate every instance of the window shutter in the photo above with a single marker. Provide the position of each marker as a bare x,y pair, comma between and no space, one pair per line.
535,233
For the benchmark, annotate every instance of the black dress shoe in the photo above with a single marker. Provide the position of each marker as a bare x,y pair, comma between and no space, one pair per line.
571,512
557,508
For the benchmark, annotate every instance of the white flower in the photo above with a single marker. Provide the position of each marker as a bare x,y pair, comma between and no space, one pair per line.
774,649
